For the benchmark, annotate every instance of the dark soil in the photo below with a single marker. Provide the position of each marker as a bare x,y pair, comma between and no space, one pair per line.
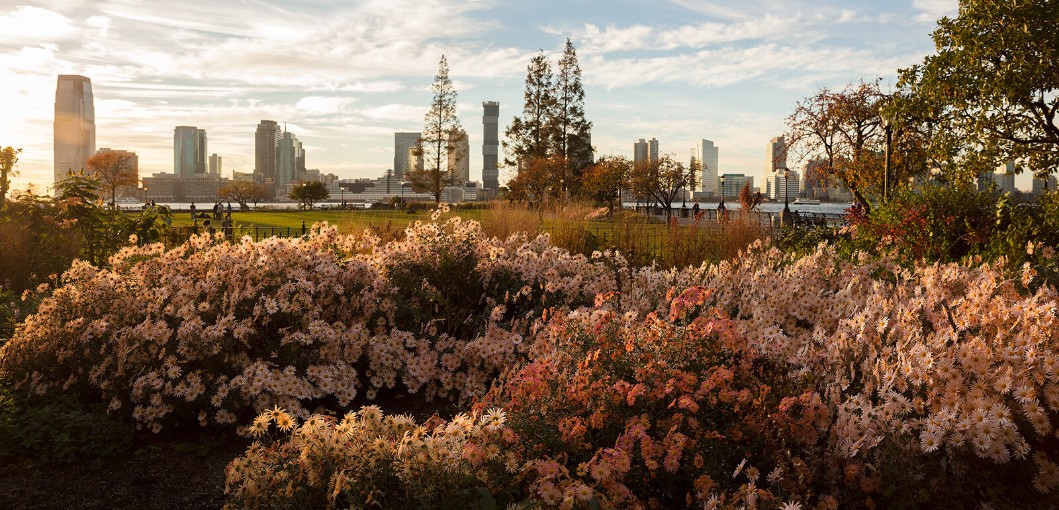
156,474
159,476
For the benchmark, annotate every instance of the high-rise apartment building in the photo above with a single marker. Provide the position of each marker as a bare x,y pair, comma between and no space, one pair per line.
291,159
639,151
780,187
74,127
459,157
215,164
490,145
705,153
403,145
266,152
776,155
189,151
644,150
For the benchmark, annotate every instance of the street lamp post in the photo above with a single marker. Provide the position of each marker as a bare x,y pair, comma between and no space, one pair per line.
888,127
721,210
785,217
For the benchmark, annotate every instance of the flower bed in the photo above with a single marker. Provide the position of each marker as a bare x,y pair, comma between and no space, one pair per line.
770,381
212,333
931,386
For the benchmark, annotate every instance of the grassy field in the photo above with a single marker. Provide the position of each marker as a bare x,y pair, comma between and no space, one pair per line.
348,221
578,228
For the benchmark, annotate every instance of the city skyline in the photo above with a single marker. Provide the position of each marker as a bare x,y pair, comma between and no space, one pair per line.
345,79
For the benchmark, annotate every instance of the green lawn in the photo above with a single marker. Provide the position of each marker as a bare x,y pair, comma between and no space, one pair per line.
347,221
640,239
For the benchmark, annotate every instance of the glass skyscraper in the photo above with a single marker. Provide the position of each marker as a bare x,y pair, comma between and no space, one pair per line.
75,124
189,151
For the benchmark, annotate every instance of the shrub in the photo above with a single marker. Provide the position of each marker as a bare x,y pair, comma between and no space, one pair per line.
58,429
211,333
892,386
369,460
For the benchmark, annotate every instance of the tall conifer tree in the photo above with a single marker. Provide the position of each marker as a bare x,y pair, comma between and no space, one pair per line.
531,136
572,131
441,132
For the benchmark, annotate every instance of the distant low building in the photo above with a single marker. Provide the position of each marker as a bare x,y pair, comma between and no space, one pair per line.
385,188
164,187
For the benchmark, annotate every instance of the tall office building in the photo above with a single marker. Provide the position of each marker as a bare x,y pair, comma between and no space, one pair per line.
733,184
403,143
291,159
644,150
776,155
490,145
215,164
1039,186
460,156
74,127
189,151
266,152
201,152
705,153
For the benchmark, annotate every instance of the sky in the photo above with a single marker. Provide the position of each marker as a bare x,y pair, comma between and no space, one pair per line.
345,75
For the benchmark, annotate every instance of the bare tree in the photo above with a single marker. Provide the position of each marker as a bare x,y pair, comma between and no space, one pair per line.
661,180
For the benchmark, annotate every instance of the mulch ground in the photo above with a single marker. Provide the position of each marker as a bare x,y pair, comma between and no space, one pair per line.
160,476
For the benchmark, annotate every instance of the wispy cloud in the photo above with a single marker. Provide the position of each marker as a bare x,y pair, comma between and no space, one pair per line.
929,11
348,74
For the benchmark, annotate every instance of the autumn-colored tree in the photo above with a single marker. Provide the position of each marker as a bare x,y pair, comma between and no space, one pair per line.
844,131
441,138
8,158
308,193
604,180
991,87
660,180
113,169
539,179
243,192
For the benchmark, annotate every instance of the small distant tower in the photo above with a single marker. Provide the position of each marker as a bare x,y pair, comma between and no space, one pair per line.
490,145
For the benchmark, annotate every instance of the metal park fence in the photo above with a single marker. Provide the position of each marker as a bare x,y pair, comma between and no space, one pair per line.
767,219
177,236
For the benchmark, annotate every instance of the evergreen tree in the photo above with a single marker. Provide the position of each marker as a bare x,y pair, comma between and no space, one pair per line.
441,133
531,136
572,138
